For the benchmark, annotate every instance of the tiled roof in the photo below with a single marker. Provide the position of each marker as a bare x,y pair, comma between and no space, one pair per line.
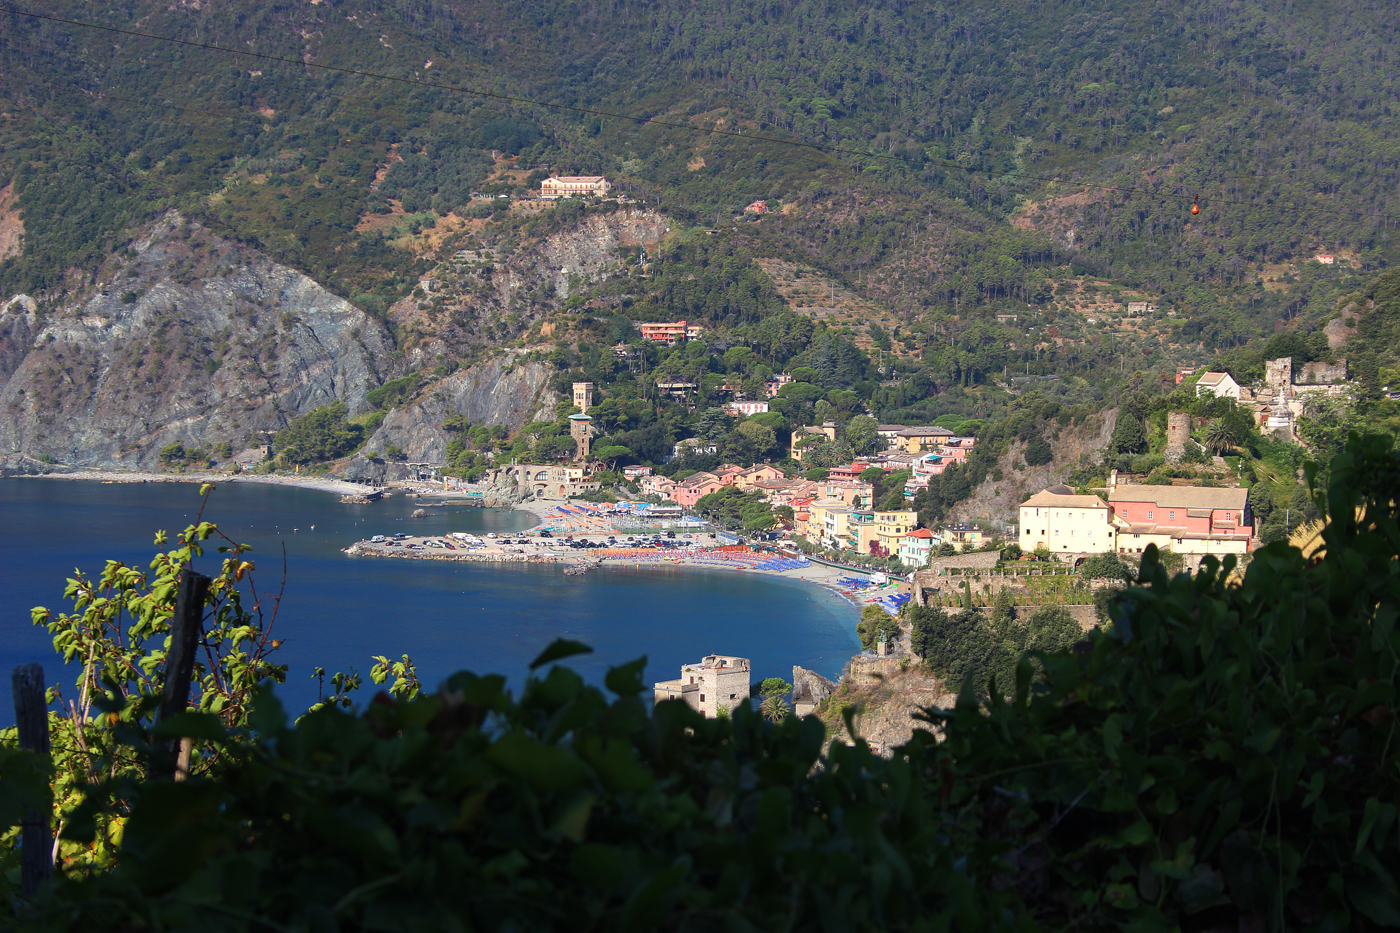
1046,498
1182,497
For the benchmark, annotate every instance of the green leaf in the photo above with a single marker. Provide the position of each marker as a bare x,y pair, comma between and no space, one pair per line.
543,767
1373,891
571,818
1112,735
558,649
626,680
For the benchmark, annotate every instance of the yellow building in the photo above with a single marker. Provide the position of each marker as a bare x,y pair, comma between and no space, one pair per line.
891,527
1060,520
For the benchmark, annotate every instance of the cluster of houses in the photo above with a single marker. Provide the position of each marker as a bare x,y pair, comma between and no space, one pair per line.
1278,403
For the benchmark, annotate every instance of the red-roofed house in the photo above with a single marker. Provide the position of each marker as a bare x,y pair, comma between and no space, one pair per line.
916,547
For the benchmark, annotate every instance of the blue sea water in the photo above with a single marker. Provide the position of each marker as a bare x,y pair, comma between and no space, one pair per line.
337,611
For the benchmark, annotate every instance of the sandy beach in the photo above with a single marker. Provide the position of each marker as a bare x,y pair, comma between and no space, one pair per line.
320,483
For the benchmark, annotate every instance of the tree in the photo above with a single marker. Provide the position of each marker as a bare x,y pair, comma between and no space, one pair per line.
753,441
1105,566
863,434
1039,452
875,623
612,453
319,435
1128,435
1223,434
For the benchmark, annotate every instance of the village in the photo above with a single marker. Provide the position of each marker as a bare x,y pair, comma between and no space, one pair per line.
838,514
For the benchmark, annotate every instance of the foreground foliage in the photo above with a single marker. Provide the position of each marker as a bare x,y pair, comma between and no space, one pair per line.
1224,757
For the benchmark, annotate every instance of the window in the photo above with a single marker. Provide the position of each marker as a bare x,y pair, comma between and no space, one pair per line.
1171,515
1149,513
1071,532
1057,532
702,698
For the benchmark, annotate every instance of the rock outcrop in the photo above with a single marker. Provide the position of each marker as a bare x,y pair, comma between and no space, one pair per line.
499,391
808,689
1073,446
186,338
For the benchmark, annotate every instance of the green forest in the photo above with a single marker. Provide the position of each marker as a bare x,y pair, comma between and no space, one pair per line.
939,126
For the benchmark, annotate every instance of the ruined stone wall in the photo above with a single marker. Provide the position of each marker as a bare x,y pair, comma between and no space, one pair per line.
1314,373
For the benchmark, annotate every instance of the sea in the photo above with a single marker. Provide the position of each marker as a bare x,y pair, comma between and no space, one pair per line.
337,612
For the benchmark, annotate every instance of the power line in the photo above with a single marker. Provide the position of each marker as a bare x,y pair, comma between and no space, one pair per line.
653,121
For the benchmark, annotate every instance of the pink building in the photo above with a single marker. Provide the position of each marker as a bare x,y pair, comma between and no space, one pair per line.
1178,511
847,472
694,488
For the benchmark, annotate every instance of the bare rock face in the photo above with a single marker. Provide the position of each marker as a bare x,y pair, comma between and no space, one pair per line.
808,689
1073,445
499,391
500,291
187,339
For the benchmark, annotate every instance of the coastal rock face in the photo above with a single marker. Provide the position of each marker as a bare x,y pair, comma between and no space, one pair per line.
499,391
1073,445
186,338
808,689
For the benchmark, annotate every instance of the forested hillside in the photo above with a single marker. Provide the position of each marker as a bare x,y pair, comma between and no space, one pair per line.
957,195
948,118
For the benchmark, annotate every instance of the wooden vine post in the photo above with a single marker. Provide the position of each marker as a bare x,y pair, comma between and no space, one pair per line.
171,757
32,718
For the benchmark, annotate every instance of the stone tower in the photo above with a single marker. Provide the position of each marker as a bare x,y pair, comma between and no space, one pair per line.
1178,435
1278,374
583,395
581,430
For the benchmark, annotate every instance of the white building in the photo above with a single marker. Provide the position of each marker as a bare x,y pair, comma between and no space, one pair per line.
575,186
1060,520
1221,385
743,409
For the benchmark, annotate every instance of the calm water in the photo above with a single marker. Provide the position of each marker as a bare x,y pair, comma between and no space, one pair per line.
338,611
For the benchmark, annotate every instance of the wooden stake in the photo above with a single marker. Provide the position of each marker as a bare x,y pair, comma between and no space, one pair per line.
186,628
32,718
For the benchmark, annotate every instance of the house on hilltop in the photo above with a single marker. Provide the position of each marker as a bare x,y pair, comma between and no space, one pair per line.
1221,385
1184,519
574,186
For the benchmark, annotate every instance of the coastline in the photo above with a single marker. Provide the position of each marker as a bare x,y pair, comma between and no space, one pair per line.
819,575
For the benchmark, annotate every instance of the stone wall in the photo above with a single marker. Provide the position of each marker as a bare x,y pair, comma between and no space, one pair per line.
1313,373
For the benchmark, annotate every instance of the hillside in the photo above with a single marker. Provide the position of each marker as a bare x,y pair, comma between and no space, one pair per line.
947,125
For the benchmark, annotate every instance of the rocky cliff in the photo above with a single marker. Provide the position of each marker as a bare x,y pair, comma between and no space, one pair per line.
1074,445
183,337
499,391
499,289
